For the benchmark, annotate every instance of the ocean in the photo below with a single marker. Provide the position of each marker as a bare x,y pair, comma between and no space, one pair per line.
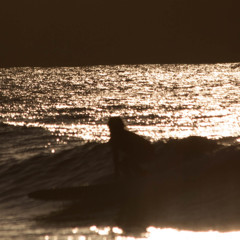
54,134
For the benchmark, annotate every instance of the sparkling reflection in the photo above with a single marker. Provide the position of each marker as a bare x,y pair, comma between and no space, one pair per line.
53,108
178,100
152,233
167,234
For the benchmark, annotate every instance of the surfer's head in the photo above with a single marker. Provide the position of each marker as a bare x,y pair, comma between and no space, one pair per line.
115,124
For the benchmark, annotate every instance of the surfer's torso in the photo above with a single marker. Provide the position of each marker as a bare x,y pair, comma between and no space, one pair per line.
130,150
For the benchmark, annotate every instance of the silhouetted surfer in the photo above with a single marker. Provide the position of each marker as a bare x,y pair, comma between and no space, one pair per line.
130,151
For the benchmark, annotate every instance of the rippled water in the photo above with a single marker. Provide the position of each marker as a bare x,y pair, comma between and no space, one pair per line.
64,107
159,101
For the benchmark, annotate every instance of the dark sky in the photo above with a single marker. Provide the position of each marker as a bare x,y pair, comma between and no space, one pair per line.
80,32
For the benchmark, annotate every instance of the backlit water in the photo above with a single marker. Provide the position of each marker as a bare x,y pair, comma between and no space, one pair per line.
66,107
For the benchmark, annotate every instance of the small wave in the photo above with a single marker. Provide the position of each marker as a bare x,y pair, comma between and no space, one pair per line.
66,117
186,159
72,167
234,66
20,143
73,110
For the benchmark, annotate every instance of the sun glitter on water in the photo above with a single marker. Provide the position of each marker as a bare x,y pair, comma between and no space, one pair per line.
152,233
158,101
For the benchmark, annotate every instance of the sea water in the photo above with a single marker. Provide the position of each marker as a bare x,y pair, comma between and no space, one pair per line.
53,132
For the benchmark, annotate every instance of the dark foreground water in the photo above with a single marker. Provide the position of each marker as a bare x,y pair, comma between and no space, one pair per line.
53,134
